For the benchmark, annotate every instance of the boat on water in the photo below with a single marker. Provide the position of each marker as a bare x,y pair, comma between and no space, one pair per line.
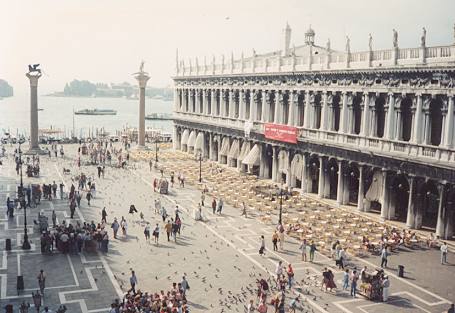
159,116
96,112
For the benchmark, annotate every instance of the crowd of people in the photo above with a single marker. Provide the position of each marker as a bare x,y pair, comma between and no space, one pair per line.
171,301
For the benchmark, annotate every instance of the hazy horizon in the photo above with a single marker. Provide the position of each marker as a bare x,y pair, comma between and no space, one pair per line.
105,40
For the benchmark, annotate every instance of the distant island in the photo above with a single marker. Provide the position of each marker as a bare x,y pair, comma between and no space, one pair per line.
84,88
5,89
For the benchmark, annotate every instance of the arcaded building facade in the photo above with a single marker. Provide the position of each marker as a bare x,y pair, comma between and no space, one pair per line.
372,129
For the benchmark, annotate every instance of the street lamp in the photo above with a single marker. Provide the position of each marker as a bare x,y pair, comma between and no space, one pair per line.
281,202
26,243
200,167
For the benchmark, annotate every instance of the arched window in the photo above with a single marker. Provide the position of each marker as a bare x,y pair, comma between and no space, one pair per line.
406,119
336,113
380,116
357,114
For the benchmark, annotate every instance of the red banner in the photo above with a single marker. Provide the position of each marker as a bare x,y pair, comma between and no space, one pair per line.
281,133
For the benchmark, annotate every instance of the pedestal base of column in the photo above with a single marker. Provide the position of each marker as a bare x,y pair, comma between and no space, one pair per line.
36,150
140,148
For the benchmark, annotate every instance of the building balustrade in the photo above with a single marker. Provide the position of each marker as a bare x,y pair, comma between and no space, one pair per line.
355,141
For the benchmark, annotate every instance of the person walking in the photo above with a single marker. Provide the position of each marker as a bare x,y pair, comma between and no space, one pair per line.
290,274
385,288
41,281
88,197
202,198
103,215
220,206
346,279
72,208
156,233
275,241
280,228
133,281
185,285
168,228
54,218
262,247
115,226
313,249
451,309
147,232
444,249
384,255
354,279
163,214
243,210
214,205
36,300
303,248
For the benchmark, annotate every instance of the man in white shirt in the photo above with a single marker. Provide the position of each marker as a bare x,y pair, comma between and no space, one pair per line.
444,249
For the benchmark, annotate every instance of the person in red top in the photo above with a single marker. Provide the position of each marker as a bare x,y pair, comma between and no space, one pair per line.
290,273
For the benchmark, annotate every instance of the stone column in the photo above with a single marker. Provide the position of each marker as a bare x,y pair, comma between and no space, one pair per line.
366,113
306,114
398,128
384,196
142,78
449,124
389,111
242,105
324,111
288,174
175,141
410,217
440,229
262,157
321,184
204,101
253,106
343,113
303,179
340,185
34,146
265,103
417,138
278,103
213,101
361,195
275,164
291,115
231,103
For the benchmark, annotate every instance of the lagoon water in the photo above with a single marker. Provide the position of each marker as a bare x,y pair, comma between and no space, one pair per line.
58,113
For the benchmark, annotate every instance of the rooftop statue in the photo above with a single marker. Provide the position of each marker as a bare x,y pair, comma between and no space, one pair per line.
370,42
424,37
348,44
141,67
328,44
395,38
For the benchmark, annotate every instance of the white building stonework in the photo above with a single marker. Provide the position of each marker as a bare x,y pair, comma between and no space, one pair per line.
373,129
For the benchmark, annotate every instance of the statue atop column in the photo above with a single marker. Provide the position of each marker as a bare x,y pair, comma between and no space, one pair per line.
34,73
424,37
348,44
141,67
370,42
395,38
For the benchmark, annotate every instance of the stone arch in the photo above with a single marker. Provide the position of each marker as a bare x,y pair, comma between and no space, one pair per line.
332,173
435,115
336,110
283,161
429,203
356,114
406,119
353,174
313,173
400,188
297,170
380,116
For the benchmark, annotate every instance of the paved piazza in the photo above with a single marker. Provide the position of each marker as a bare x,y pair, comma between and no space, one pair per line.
219,257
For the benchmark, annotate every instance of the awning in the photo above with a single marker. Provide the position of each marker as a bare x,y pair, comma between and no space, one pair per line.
185,135
244,151
297,166
235,150
374,193
199,142
224,147
192,139
283,161
252,158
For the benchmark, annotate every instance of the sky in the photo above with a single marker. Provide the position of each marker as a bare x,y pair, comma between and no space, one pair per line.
105,40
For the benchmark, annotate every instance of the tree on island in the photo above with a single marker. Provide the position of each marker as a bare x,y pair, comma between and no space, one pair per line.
5,89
